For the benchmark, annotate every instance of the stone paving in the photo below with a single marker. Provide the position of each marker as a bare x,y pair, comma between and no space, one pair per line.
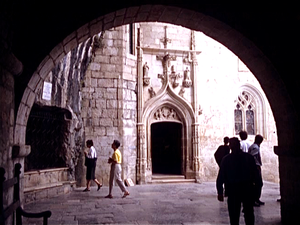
186,203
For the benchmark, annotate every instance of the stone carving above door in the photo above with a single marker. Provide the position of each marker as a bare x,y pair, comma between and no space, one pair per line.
165,113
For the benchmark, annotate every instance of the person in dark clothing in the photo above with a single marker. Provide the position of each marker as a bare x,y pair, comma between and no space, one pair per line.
222,151
254,150
90,163
238,173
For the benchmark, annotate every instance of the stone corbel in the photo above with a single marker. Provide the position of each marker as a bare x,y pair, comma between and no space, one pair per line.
20,151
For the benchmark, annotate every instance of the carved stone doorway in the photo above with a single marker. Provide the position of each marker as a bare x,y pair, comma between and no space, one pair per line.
166,148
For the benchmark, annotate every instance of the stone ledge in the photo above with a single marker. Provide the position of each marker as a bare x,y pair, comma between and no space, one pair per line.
48,186
33,194
45,170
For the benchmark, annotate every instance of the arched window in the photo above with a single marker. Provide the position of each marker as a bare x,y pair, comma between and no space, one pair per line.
249,112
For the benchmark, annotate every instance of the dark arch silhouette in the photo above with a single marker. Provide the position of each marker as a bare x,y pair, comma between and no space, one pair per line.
261,36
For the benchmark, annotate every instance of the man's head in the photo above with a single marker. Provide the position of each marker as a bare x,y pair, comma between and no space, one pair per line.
258,139
234,144
243,135
226,140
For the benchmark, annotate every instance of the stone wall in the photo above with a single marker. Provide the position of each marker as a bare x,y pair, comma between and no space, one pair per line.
109,102
67,79
220,78
10,67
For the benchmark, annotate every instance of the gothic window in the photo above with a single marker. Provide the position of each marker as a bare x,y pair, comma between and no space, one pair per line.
238,118
245,114
250,121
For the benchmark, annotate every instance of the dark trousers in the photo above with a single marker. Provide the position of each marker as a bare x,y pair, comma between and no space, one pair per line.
258,185
234,208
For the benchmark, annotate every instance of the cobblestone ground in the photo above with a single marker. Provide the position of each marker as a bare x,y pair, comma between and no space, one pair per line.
188,203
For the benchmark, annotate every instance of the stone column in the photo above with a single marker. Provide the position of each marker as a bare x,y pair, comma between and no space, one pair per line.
141,155
289,170
196,151
141,161
195,126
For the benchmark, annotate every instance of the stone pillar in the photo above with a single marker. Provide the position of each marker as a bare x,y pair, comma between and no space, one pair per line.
289,170
195,127
196,151
141,161
10,67
142,155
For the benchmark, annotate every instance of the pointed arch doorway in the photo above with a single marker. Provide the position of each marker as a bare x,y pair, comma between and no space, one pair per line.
166,148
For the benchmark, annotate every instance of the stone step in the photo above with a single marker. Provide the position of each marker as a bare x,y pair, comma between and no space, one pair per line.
32,194
165,179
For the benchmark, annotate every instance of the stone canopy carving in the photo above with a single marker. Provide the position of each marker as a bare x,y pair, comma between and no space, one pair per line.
165,113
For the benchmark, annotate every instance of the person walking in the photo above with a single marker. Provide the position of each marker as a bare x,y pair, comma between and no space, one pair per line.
115,170
237,174
222,151
254,150
90,163
244,143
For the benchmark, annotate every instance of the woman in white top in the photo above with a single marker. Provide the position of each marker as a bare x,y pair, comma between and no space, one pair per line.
90,163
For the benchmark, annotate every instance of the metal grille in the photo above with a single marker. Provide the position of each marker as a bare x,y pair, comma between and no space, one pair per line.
47,134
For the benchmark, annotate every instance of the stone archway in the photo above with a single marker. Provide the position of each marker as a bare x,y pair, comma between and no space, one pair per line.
168,107
238,44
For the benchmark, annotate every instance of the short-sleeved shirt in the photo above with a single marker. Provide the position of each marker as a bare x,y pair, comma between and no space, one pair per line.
255,151
92,153
116,156
245,145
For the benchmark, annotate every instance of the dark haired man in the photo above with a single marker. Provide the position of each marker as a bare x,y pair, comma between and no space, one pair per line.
115,170
244,143
222,151
254,150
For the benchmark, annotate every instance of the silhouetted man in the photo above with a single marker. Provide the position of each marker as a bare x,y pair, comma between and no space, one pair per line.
238,173
254,150
222,151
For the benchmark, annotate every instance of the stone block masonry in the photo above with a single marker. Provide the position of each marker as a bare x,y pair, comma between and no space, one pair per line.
109,103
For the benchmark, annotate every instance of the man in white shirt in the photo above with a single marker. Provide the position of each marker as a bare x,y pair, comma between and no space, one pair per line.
244,143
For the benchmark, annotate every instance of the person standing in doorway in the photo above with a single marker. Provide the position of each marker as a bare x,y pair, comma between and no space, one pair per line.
237,173
254,150
244,143
90,163
115,170
222,151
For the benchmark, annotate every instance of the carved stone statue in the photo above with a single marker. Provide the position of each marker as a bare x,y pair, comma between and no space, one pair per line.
146,77
187,82
151,92
174,77
145,70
